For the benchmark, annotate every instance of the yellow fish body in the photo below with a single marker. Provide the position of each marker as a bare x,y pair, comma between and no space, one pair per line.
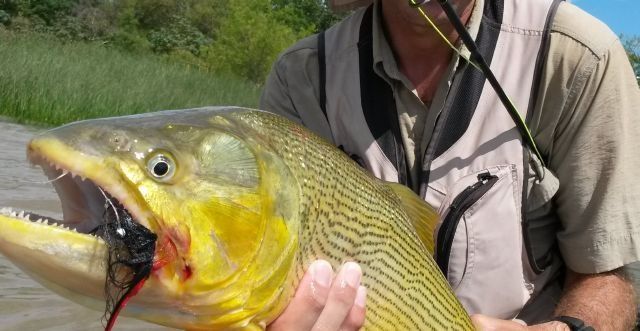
241,202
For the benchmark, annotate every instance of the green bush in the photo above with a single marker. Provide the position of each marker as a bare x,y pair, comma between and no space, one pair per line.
133,42
207,15
49,11
249,40
303,15
5,18
178,34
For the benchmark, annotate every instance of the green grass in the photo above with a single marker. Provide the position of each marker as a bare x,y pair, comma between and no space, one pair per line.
45,82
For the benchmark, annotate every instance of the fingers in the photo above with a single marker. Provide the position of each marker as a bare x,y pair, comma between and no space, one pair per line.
323,302
341,298
486,323
310,298
356,317
550,326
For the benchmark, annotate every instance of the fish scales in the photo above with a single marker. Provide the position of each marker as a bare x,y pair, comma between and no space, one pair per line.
401,278
241,202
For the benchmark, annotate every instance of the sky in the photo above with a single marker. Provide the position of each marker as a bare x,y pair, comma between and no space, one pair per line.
622,16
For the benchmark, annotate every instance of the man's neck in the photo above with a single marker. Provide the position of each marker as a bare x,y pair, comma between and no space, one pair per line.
422,56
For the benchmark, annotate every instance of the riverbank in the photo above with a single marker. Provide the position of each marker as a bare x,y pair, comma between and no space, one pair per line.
46,82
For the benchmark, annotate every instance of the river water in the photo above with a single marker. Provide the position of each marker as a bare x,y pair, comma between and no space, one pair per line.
24,304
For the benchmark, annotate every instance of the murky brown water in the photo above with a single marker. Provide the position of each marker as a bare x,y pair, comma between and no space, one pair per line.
24,304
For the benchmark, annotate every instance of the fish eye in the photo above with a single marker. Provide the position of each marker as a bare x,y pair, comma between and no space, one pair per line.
161,167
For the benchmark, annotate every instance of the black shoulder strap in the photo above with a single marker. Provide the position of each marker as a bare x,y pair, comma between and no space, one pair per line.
464,94
322,62
378,102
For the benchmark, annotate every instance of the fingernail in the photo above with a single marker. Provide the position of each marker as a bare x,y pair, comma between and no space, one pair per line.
361,297
321,273
352,274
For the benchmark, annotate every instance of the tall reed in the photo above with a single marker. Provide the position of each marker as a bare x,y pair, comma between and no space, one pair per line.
46,82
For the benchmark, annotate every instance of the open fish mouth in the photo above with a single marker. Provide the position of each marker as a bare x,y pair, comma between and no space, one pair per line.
99,216
91,195
87,207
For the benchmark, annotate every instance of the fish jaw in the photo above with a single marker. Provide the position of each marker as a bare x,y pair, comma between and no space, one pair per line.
63,260
61,156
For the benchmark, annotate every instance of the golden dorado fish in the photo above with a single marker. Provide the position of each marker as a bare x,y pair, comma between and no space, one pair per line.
206,219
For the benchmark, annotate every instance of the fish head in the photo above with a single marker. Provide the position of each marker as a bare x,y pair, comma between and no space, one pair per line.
222,205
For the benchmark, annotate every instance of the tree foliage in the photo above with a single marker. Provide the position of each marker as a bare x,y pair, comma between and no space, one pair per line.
240,37
249,39
305,14
632,46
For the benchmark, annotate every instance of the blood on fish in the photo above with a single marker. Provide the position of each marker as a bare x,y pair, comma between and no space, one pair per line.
187,272
166,252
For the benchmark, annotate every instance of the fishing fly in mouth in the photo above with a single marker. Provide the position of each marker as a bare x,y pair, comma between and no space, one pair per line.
91,210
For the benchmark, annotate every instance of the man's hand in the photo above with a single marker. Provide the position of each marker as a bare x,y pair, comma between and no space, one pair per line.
486,323
604,301
323,302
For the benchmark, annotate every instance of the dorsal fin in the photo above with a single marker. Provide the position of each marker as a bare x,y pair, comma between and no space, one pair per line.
423,217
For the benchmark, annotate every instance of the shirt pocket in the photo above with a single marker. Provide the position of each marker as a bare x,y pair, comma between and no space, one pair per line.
479,243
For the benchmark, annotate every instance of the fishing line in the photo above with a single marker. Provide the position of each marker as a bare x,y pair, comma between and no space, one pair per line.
120,231
417,5
48,181
478,62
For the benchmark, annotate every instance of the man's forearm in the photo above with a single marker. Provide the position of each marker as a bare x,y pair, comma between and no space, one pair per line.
605,301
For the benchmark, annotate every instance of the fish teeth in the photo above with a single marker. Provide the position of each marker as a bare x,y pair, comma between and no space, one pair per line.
46,221
65,227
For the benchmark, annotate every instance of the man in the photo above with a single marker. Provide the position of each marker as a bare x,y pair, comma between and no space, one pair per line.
540,235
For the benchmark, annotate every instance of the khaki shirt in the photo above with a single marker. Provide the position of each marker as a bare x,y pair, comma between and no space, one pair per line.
585,121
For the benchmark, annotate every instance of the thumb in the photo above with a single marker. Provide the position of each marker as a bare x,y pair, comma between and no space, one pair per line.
486,323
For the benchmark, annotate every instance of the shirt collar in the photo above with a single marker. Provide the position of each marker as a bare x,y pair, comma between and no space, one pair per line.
384,61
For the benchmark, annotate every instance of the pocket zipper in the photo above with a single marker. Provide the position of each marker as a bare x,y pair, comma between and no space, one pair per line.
458,207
